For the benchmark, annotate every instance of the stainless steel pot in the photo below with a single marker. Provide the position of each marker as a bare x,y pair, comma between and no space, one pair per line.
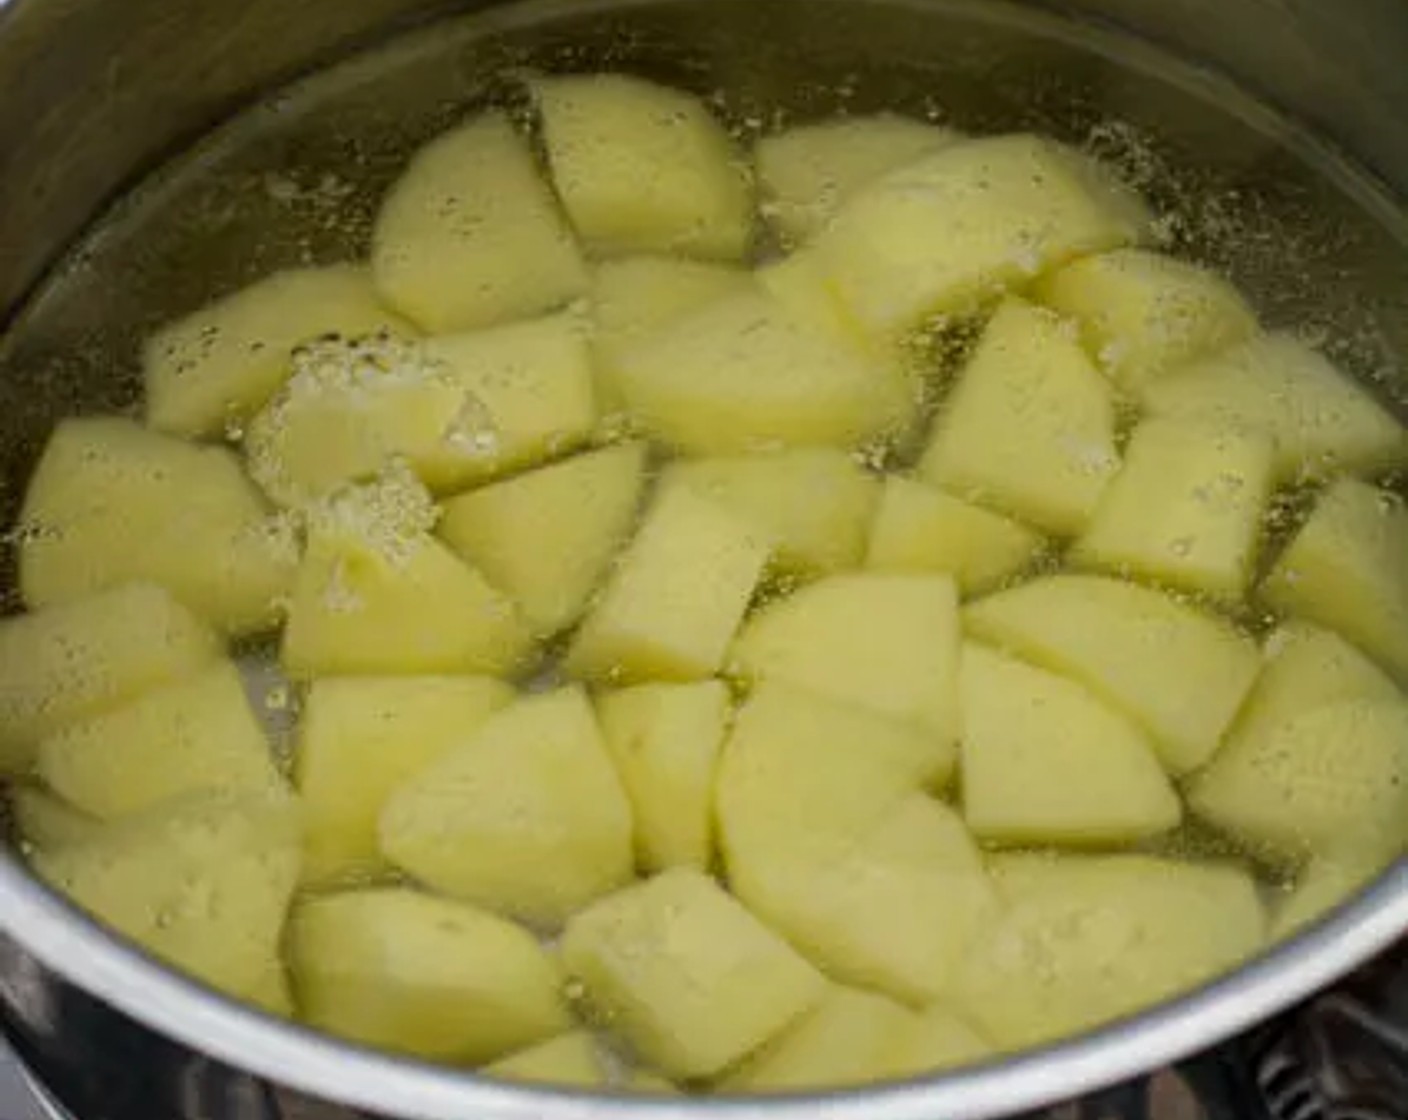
95,93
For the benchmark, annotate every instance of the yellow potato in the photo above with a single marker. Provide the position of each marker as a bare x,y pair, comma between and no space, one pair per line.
43,821
1186,508
207,373
920,529
644,168
807,171
470,236
570,1061
421,975
685,975
1143,314
813,504
358,739
70,662
112,502
1325,884
526,816
547,538
665,740
1082,940
946,232
1180,673
1030,427
194,735
887,642
674,600
648,1084
1347,569
1026,732
1321,419
937,1039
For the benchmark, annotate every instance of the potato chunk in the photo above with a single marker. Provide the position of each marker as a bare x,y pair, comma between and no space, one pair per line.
112,503
70,662
359,738
887,642
946,232
920,529
547,538
671,606
1186,508
196,734
641,167
1143,314
43,821
405,971
1026,732
1325,884
570,1060
687,977
935,1040
1347,569
526,816
470,236
212,370
1321,419
1086,939
1030,427
665,740
1180,673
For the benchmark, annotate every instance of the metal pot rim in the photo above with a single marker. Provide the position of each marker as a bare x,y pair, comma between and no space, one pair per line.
72,945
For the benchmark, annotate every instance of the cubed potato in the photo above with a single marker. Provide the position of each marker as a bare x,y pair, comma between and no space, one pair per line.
1334,778
1143,314
470,236
747,373
887,642
526,816
547,538
812,504
648,1084
361,737
946,232
1179,672
409,972
919,529
1030,427
73,661
1322,420
196,734
847,1039
43,821
807,171
674,600
665,740
1186,509
207,373
1347,569
1045,762
1326,883
1082,940
568,1061
202,884
937,1039
685,975
643,168
112,502
529,396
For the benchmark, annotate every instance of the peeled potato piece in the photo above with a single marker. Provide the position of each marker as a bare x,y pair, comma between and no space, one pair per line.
570,1061
1143,314
421,975
112,502
43,821
547,538
686,975
66,663
937,1039
641,167
1082,940
1326,883
526,816
1026,733
470,236
1030,427
1347,569
1180,673
209,372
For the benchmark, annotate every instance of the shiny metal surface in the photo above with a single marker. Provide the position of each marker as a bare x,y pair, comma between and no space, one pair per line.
158,71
